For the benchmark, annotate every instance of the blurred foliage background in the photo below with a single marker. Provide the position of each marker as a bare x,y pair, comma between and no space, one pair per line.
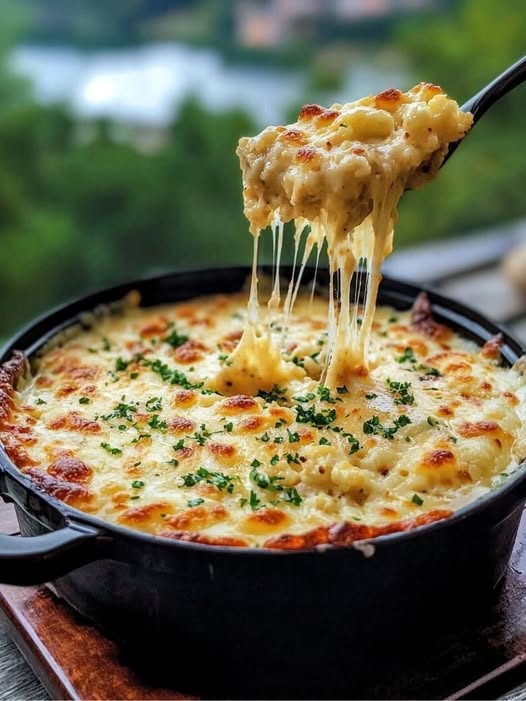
88,199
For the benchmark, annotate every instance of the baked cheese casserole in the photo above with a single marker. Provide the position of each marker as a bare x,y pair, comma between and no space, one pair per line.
124,420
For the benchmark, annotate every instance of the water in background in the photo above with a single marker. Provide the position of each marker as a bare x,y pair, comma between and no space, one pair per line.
145,86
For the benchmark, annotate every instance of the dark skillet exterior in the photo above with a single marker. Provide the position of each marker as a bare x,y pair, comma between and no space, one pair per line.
236,622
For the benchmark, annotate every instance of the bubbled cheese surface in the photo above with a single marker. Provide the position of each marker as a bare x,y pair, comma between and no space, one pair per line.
124,421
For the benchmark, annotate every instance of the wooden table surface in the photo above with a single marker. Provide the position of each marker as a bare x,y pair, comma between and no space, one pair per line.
467,269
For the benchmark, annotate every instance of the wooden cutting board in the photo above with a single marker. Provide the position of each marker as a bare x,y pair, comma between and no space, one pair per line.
74,660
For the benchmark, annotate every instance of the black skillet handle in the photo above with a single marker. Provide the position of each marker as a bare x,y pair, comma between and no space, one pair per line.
42,558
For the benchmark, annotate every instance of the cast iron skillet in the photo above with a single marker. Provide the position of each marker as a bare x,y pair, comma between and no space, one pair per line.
245,622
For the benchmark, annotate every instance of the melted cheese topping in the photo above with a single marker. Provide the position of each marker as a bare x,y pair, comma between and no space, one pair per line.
343,170
124,420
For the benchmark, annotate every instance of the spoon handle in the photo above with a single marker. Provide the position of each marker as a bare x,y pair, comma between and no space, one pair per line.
483,100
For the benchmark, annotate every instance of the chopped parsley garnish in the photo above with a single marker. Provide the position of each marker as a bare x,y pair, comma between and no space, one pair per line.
134,375
176,339
294,437
218,479
401,392
274,459
201,436
407,357
325,395
84,400
137,484
318,419
371,395
417,500
106,345
229,427
342,390
121,365
154,404
324,441
291,496
428,371
173,462
374,426
275,394
255,501
307,398
141,436
179,445
156,424
113,451
41,401
174,377
353,442
121,411
265,437
255,463
195,502
432,421
265,481
293,458
392,319
298,361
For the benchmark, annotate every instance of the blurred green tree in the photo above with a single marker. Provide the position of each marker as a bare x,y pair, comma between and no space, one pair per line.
462,49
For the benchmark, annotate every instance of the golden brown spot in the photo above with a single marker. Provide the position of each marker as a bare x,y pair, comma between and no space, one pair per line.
388,512
224,541
456,367
83,373
43,381
310,111
512,398
293,136
74,422
445,410
306,155
251,423
185,452
185,397
142,515
306,435
180,424
264,521
69,492
305,541
224,450
231,340
67,389
155,327
189,352
479,428
438,459
70,469
464,476
15,451
197,517
389,95
358,151
238,403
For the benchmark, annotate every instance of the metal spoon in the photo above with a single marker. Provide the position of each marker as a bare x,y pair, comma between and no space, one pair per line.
488,96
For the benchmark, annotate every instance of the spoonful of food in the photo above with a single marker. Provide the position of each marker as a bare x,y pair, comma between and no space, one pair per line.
489,95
